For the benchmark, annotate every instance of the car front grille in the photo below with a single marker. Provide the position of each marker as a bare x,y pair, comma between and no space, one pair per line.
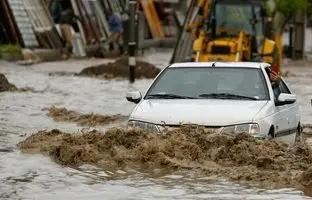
206,128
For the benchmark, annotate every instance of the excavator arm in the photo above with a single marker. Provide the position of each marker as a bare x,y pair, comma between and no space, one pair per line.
196,16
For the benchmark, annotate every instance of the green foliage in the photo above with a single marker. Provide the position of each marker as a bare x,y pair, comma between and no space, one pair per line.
13,49
290,7
269,7
309,8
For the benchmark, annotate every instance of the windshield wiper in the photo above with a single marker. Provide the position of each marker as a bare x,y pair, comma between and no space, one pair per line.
168,96
226,96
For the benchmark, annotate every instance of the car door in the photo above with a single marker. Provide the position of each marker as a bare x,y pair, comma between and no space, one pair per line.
280,115
290,110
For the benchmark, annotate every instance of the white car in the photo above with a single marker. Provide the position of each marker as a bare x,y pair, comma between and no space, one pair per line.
229,97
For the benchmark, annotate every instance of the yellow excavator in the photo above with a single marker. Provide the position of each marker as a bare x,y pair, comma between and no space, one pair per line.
228,30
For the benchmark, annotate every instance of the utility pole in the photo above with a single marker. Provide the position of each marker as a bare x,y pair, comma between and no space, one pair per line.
132,41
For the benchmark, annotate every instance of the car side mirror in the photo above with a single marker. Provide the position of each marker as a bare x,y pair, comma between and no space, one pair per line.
285,98
134,96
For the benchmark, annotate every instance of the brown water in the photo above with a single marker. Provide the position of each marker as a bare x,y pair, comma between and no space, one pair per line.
27,176
240,158
82,119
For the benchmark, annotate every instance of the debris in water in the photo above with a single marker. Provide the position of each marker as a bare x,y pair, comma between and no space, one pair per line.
240,158
6,150
6,86
61,74
62,114
27,89
120,68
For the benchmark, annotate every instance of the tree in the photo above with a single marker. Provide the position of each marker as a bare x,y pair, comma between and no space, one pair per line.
309,8
290,7
282,11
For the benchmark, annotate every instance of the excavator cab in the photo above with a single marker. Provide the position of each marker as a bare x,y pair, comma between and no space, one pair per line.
232,17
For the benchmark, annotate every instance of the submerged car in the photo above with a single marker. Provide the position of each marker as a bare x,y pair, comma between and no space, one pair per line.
228,97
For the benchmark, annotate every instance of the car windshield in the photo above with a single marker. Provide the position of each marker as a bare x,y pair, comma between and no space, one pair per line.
209,83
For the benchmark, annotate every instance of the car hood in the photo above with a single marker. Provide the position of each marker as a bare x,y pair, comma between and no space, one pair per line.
202,112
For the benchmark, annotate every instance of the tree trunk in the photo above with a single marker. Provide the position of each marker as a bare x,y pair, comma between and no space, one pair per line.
279,22
300,22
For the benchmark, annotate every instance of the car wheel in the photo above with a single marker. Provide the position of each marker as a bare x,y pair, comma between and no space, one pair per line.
298,134
271,134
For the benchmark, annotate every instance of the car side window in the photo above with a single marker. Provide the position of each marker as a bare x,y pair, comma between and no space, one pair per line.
276,88
284,88
277,91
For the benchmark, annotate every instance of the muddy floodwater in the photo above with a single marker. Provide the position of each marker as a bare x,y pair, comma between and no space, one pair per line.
35,176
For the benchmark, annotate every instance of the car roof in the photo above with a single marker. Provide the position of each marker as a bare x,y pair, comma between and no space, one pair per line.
219,64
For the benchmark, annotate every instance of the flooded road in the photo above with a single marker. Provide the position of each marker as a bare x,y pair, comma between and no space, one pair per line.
24,176
300,81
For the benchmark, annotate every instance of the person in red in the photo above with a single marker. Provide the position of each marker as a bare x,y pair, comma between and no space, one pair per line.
275,77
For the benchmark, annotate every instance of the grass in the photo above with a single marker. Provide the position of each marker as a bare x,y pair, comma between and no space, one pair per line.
13,49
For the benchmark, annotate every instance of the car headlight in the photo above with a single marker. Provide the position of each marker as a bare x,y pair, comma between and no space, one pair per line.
252,129
145,125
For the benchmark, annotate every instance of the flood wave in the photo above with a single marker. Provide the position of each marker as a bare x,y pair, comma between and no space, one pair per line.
240,158
63,114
